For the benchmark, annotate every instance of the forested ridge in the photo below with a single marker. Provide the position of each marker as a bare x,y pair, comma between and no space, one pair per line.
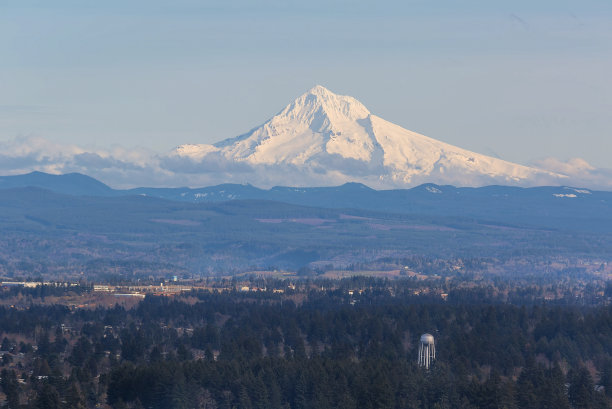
319,349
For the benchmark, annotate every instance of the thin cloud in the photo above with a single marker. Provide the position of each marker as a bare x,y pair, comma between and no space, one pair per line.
213,162
580,173
94,161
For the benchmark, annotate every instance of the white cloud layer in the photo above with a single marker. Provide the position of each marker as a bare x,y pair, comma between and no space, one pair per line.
123,168
579,171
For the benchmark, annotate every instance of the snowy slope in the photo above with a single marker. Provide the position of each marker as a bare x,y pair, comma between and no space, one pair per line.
324,139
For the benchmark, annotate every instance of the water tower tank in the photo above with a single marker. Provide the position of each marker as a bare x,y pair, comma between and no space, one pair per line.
427,350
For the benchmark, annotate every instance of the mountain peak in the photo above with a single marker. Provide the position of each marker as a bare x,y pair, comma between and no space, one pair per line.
317,122
69,183
319,90
319,101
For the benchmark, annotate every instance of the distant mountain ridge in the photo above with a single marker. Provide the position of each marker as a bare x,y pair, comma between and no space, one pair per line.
323,138
70,183
140,234
502,203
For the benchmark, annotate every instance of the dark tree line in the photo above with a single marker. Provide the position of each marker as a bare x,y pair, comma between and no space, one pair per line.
308,350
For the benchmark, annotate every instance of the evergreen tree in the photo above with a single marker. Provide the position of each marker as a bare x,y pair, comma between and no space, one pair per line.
74,397
10,387
581,393
299,399
47,398
244,400
606,374
555,392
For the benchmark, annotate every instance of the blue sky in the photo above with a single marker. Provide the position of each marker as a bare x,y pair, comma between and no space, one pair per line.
520,80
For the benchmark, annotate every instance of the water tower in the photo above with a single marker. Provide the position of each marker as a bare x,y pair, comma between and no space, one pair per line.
427,350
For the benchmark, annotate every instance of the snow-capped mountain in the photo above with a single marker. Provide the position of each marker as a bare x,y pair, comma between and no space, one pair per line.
325,139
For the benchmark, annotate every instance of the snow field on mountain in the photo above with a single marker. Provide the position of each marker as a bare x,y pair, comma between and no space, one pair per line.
323,138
